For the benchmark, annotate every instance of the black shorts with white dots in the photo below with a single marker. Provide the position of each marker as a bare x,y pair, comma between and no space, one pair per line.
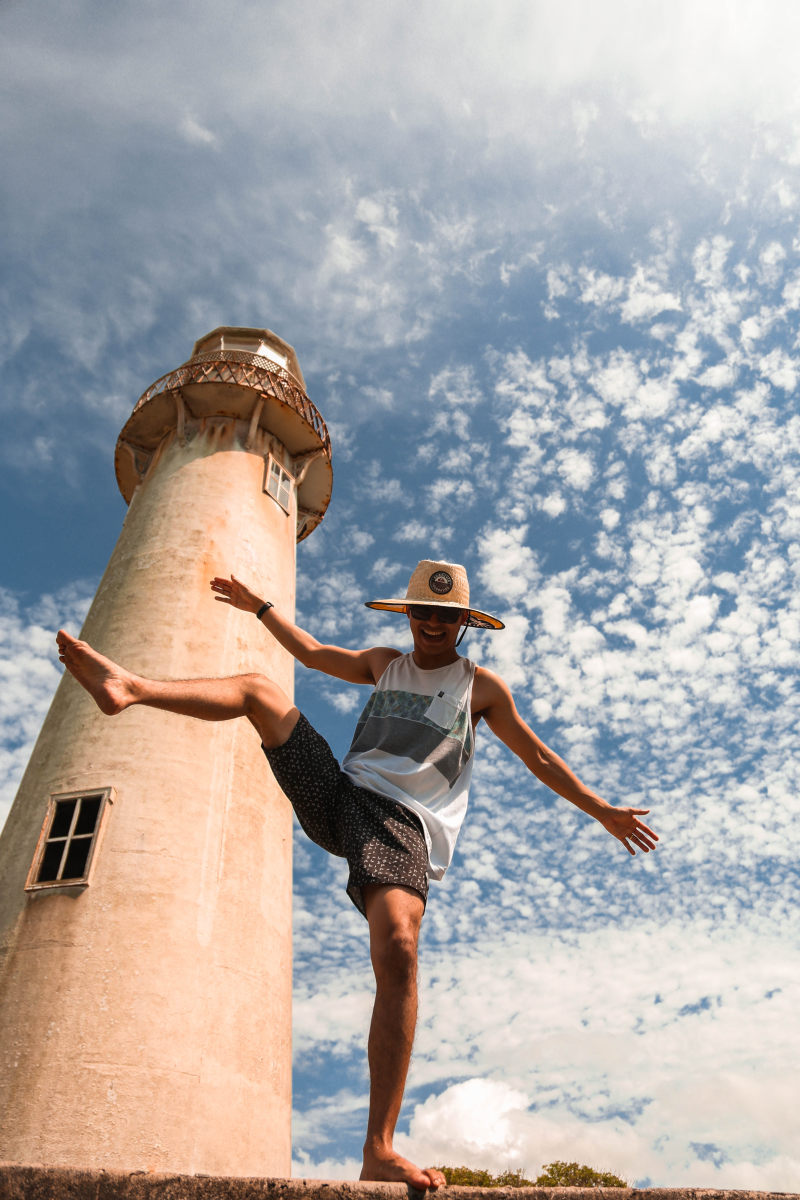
382,841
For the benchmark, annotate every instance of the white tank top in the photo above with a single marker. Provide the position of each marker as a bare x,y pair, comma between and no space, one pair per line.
413,744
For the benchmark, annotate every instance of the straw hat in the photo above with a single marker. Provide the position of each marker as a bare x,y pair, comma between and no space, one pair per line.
441,585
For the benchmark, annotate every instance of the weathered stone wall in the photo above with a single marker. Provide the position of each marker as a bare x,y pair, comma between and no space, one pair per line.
52,1183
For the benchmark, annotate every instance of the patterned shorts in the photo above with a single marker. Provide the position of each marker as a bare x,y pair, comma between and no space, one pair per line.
382,841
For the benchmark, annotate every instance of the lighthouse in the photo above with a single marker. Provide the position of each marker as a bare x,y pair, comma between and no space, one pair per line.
145,867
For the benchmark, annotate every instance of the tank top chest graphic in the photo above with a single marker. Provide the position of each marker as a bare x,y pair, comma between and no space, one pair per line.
430,727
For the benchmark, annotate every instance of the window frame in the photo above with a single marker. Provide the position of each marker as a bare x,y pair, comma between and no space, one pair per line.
106,795
285,475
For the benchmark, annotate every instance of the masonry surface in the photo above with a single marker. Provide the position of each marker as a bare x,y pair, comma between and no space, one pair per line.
53,1183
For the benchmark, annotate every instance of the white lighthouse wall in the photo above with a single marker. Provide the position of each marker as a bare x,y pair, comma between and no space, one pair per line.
146,1019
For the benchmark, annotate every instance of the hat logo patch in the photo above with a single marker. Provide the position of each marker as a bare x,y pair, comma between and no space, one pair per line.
441,582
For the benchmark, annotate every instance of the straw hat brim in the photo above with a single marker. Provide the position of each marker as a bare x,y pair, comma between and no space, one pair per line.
477,619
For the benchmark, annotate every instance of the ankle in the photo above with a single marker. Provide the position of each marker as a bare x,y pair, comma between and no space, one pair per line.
135,689
378,1144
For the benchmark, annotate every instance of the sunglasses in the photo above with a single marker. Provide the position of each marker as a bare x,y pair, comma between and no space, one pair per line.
424,612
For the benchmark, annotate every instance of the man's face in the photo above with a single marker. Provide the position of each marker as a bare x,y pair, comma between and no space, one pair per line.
435,630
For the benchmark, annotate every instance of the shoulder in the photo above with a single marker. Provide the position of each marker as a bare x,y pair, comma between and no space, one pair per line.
379,658
489,679
488,690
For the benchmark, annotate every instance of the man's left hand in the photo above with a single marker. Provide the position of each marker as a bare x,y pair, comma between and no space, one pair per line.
625,826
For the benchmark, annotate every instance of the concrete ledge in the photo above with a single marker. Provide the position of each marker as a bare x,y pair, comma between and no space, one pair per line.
62,1183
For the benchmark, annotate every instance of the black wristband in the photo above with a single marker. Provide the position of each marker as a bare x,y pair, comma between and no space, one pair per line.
267,604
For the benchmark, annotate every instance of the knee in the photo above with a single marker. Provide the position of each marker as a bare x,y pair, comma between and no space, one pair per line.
394,956
268,709
262,695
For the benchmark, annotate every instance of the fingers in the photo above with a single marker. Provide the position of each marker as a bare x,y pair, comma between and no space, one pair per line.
640,838
645,833
642,835
225,591
625,826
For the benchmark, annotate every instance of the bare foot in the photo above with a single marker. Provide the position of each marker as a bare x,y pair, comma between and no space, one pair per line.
392,1168
111,687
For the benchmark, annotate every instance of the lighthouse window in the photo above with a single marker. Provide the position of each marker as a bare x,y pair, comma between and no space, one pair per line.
68,840
279,483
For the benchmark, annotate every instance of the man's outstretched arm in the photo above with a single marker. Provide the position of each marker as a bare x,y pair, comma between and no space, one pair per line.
494,702
355,666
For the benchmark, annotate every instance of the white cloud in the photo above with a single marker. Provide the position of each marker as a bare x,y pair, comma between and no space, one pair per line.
553,504
599,288
558,280
617,1048
450,494
791,291
576,469
304,1167
30,672
360,540
721,375
344,702
412,531
779,369
380,215
378,397
457,386
197,134
344,255
618,379
382,569
458,1118
508,567
710,258
770,260
503,651
647,298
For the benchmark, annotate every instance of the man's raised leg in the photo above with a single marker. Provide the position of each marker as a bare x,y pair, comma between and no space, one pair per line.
394,915
113,689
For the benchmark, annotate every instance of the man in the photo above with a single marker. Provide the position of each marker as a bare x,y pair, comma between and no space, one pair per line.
395,806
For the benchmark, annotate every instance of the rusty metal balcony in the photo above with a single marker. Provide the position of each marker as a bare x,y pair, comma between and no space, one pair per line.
252,390
242,369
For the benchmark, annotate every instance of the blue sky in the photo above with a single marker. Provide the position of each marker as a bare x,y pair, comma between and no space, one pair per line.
541,266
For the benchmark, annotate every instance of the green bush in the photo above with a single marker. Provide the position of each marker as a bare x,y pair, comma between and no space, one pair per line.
554,1174
563,1174
466,1177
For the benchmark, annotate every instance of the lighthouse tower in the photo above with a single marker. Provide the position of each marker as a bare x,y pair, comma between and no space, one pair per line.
145,868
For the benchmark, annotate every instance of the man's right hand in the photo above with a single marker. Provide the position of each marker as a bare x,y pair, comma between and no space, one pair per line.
354,666
231,591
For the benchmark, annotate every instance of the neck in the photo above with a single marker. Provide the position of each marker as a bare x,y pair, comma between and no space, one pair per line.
428,661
